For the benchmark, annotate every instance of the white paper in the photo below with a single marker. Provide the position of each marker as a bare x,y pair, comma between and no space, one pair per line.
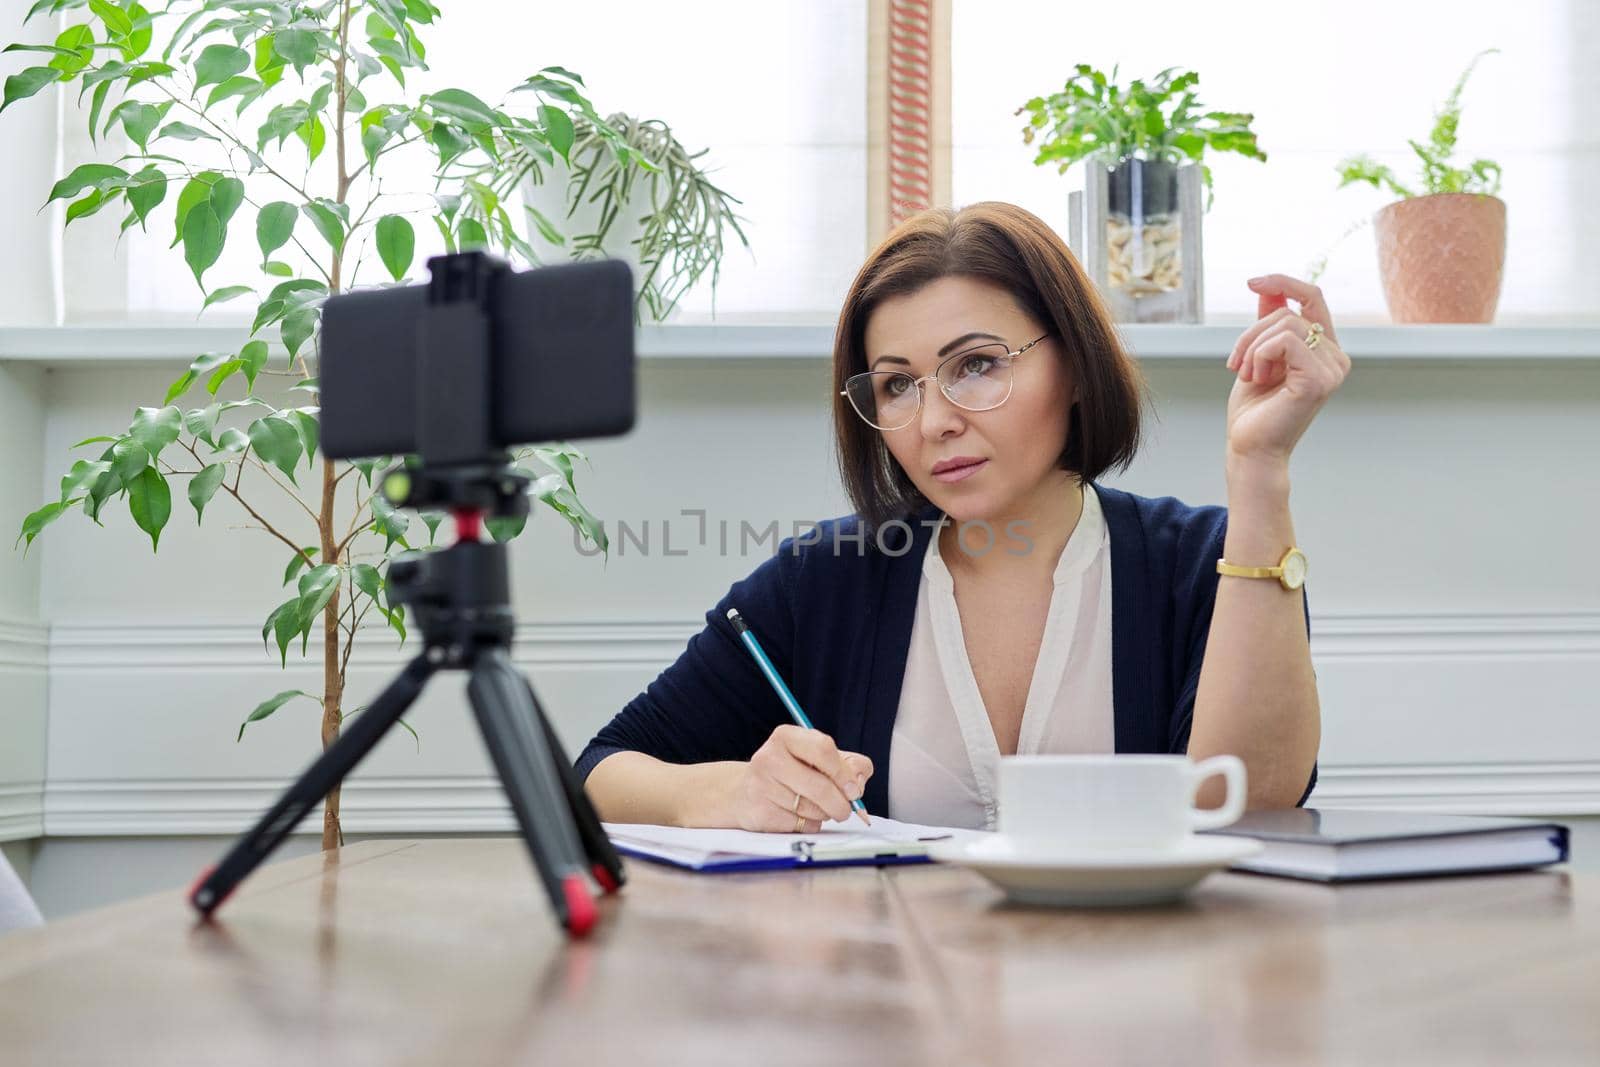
701,846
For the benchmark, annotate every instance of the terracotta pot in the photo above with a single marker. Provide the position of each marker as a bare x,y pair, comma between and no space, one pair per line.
1441,257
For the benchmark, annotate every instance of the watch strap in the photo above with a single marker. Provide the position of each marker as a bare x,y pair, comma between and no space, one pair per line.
1233,570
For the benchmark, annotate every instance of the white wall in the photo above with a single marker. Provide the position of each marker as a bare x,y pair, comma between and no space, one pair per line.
1455,665
22,634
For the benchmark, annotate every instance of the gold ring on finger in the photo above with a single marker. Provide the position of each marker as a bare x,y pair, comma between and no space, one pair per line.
1314,336
796,809
799,825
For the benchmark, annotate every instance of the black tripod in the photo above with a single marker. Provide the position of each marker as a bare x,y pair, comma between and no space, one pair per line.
461,598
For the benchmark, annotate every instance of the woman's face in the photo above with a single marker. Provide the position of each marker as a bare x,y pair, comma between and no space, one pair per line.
1013,448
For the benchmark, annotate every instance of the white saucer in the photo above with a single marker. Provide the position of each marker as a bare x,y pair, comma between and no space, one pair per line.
1094,879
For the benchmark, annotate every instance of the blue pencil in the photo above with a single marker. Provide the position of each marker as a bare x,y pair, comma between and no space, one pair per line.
776,681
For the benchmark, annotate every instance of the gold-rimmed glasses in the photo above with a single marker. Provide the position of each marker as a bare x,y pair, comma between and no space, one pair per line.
975,379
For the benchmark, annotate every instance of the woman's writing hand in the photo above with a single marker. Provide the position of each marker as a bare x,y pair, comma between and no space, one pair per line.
1283,377
797,779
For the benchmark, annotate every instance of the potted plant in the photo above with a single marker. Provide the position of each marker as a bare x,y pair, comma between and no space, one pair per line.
224,114
1136,226
668,223
1441,251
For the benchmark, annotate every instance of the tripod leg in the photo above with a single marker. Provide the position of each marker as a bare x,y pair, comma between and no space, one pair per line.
604,862
500,699
328,770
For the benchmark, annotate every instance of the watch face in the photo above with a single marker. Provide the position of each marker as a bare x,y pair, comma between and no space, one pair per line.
1294,570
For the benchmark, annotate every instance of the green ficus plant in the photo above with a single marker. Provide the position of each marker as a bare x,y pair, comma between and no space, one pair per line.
276,122
1092,118
1481,176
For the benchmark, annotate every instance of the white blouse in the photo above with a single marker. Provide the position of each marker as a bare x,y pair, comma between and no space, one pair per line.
943,750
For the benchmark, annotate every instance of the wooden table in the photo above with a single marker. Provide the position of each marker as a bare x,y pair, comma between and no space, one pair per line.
442,953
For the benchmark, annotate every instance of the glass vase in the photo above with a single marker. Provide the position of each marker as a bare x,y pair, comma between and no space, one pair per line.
1135,227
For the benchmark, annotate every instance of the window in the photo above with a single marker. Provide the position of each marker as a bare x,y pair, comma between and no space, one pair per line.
775,92
1324,81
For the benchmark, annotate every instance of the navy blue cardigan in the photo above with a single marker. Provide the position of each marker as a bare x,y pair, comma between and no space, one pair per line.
834,612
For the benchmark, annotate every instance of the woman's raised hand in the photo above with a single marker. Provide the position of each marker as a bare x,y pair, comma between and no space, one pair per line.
1287,364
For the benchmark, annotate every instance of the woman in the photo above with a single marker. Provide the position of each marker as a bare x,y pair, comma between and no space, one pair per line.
989,597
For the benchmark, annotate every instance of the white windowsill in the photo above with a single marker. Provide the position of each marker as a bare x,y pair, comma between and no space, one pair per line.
169,343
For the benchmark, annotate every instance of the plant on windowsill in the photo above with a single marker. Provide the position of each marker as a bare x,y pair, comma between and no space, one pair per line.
1143,146
282,119
669,224
1441,251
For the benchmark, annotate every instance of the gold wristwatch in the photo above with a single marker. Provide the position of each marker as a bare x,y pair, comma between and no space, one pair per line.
1290,571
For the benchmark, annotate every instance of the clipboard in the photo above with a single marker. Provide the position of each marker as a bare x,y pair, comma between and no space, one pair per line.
729,851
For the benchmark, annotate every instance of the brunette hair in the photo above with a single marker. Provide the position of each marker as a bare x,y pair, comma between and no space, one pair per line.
1012,247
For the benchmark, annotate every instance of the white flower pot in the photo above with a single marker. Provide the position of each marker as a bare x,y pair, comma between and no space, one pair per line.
550,199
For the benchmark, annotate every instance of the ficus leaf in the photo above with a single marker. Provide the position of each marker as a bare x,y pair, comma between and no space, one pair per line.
87,206
389,522
128,459
472,234
431,519
327,223
22,85
219,62
226,293
267,707
116,20
317,587
202,422
223,372
298,561
252,357
298,47
155,428
232,439
84,177
203,235
150,503
38,520
182,131
147,192
309,429
283,624
396,244
366,579
558,128
314,135
84,472
196,191
239,85
397,619
138,119
504,528
275,225
462,106
226,196
96,103
277,441
298,326
203,486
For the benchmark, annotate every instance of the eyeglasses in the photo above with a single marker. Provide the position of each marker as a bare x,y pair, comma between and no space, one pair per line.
976,379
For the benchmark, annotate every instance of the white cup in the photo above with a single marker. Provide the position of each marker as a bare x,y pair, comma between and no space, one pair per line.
1074,804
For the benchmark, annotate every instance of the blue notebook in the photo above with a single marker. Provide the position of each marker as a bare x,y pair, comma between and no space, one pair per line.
836,845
